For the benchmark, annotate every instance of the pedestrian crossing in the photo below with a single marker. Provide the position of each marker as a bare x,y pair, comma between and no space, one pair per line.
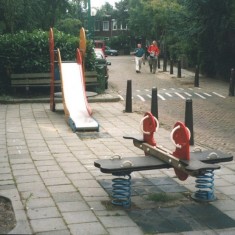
175,93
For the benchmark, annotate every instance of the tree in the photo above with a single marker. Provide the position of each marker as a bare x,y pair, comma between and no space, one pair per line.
29,15
213,29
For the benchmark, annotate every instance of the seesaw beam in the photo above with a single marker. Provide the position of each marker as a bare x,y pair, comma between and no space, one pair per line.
192,167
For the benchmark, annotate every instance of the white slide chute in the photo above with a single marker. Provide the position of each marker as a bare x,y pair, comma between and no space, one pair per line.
76,108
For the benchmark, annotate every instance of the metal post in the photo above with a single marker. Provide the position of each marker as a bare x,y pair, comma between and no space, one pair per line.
158,63
232,83
154,103
129,97
189,119
196,79
171,66
89,20
179,69
164,63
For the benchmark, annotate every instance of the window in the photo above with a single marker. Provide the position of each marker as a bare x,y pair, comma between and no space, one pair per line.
105,25
97,25
114,24
123,26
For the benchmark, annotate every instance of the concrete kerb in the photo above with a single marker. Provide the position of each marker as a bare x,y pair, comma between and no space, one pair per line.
98,98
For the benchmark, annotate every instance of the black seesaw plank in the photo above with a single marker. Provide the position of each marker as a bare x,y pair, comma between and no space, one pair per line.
139,163
196,163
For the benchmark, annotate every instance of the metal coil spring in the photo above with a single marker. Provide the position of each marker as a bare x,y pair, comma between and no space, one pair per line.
121,191
205,184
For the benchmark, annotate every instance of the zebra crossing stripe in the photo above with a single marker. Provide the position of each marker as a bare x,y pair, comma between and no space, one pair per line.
168,94
161,97
199,95
218,94
182,97
141,98
207,94
121,97
186,93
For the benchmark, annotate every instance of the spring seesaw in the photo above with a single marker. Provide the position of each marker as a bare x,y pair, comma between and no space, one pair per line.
199,164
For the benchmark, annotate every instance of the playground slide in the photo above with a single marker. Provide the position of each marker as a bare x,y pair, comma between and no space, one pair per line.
77,111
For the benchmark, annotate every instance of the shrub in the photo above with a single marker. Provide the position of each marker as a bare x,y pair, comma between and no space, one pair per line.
29,53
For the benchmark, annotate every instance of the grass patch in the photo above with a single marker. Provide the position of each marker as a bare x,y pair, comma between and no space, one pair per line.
163,197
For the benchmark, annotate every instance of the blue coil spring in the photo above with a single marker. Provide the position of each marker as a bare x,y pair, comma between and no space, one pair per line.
121,190
205,184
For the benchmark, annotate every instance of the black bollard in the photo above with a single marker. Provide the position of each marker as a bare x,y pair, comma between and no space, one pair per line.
189,119
232,83
171,66
158,63
164,63
179,69
154,103
129,97
196,79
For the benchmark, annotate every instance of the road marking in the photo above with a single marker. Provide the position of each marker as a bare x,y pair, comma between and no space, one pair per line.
141,98
138,90
161,97
207,94
149,96
218,94
182,89
199,95
186,93
182,97
121,97
168,94
146,90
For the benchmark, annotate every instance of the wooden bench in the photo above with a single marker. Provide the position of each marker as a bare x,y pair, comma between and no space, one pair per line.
27,80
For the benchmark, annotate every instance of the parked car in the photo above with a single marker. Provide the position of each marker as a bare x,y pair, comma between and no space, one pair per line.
100,44
101,61
109,51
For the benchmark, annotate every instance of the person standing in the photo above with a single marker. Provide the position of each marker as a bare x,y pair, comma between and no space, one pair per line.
154,52
139,57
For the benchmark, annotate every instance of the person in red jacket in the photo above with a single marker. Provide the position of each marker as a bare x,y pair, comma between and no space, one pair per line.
154,52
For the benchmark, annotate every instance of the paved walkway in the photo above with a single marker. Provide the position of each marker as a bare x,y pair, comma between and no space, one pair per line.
48,171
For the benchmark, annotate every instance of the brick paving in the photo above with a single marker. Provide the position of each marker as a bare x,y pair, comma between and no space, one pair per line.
48,171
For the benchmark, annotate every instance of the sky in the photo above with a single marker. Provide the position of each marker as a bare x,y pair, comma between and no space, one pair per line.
99,3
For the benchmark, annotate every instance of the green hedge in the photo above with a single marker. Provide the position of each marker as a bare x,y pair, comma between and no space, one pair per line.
29,53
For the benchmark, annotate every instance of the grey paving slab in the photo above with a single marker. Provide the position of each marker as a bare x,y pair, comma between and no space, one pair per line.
77,206
33,203
48,224
49,155
116,221
79,217
93,228
43,212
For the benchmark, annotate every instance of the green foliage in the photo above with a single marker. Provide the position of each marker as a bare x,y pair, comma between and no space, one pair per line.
30,15
29,52
213,31
203,31
69,26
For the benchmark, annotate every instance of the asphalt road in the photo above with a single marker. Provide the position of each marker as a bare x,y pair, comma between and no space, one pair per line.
213,109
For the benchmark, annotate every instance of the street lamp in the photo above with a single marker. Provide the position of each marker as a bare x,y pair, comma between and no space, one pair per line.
91,13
